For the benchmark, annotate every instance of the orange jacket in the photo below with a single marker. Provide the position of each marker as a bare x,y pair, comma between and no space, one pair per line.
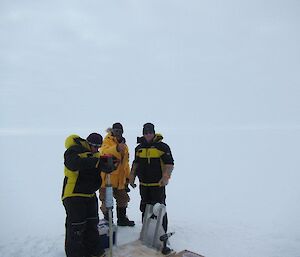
119,176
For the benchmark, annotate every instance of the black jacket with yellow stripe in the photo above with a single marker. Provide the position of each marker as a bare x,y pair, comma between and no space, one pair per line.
150,158
82,169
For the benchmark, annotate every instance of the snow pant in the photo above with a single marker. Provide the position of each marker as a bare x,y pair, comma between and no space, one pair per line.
121,196
152,195
82,236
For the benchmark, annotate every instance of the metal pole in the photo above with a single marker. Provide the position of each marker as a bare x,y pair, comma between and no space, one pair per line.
109,203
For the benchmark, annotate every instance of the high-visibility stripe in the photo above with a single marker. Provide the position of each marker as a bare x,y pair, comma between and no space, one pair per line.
69,187
149,153
82,195
78,223
84,155
149,184
93,218
72,178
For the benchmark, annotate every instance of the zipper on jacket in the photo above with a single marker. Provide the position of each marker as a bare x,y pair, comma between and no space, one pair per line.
147,153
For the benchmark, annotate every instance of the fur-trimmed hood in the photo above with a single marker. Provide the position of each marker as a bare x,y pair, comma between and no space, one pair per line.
73,140
109,130
110,135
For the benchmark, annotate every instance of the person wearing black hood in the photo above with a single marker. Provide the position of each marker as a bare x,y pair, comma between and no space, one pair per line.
83,166
153,165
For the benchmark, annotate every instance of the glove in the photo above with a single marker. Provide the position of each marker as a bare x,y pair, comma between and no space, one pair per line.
121,147
108,164
164,181
131,180
127,189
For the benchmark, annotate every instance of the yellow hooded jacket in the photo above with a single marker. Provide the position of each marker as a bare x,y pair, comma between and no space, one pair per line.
119,176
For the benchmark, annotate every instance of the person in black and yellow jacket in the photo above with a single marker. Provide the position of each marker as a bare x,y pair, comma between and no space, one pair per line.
153,165
83,166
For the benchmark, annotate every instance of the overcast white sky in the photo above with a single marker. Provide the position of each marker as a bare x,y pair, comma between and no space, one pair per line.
177,63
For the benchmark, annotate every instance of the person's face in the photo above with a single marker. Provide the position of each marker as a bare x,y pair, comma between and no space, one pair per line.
148,135
94,149
117,133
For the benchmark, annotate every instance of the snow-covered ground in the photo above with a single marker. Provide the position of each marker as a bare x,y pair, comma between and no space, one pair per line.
219,79
233,193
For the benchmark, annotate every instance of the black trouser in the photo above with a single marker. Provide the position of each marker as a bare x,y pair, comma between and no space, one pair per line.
82,236
153,195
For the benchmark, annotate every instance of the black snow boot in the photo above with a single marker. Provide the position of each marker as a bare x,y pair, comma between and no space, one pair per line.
100,254
122,218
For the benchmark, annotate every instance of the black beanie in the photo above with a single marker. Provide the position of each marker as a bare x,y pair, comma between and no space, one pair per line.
148,127
94,139
117,125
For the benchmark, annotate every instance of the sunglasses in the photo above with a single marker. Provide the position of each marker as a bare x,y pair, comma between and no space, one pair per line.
118,131
95,145
148,132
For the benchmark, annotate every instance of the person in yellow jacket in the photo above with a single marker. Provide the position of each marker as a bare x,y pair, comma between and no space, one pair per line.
114,144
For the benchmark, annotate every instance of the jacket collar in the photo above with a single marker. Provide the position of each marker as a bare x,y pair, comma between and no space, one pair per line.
157,138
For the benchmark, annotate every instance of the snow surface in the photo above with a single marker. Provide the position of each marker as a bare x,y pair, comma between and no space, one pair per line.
219,79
